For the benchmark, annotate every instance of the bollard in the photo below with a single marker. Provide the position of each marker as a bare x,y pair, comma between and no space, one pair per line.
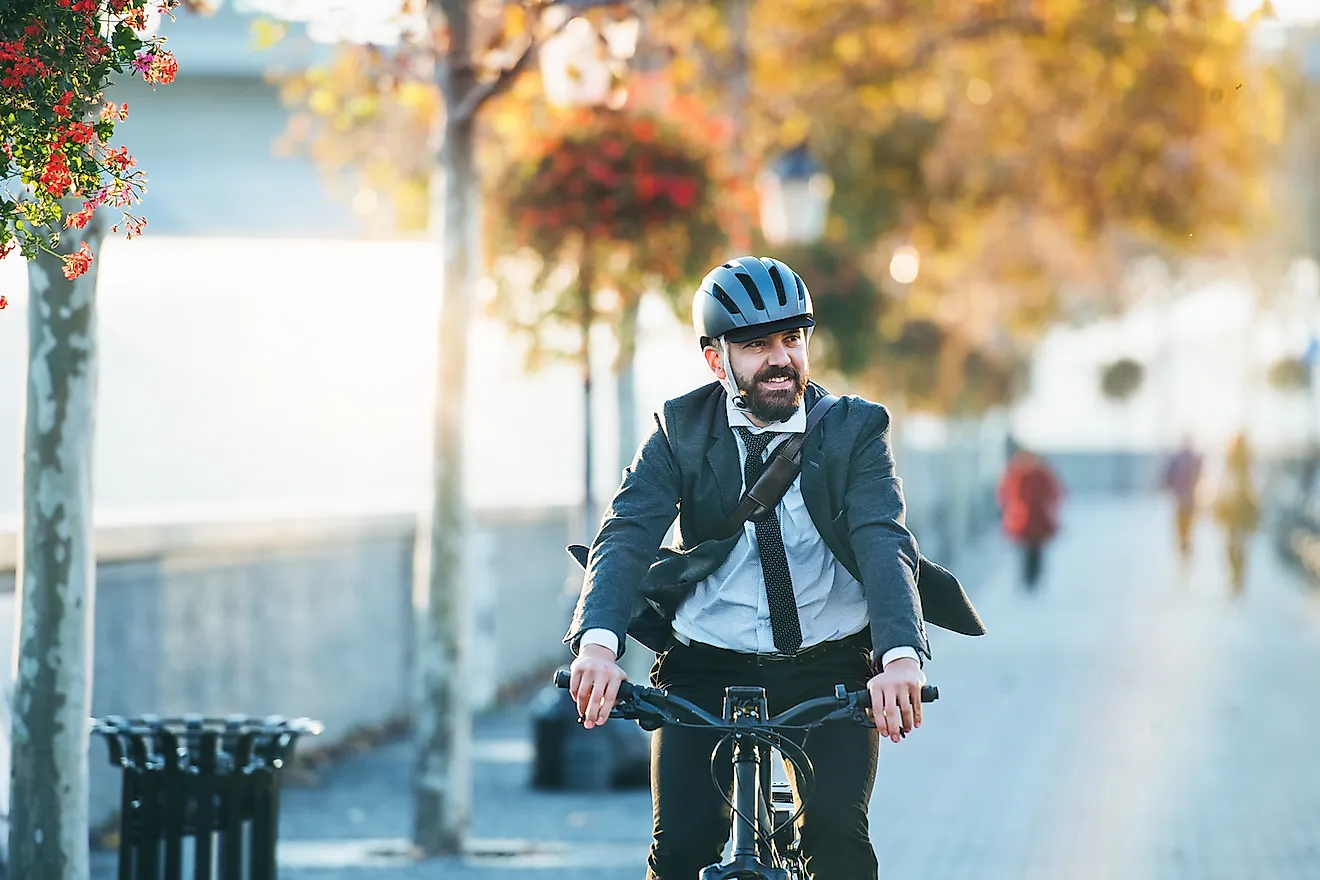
211,782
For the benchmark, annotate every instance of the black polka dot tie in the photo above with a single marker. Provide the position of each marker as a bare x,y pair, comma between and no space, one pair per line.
784,621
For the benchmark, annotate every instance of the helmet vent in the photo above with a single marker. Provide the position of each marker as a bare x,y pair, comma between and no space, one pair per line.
801,290
725,300
757,302
779,285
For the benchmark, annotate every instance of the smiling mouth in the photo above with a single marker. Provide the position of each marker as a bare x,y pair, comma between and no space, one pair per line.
782,383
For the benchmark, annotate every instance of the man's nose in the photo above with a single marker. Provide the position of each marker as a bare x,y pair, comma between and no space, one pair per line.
779,354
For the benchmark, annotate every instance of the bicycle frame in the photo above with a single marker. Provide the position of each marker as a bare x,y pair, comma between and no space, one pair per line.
751,794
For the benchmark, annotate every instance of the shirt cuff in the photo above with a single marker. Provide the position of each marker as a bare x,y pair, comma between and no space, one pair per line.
889,657
607,639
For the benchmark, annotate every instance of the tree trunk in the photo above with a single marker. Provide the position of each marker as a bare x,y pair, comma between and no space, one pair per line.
56,577
625,372
441,780
586,283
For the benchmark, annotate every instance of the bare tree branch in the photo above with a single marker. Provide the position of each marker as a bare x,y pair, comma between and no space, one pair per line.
484,91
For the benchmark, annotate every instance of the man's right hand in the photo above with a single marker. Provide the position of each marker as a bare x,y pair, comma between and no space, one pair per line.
594,680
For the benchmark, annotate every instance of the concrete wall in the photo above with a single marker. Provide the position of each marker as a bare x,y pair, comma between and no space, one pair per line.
298,618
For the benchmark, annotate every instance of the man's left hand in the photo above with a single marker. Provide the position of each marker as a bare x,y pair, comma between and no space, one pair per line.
896,698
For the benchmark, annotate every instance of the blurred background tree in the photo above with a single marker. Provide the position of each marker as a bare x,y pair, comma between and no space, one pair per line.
1020,154
607,206
1020,149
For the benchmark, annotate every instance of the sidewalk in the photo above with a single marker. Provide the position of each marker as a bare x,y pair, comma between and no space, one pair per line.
1126,722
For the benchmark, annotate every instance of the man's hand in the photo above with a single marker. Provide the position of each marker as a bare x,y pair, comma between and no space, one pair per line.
594,680
896,698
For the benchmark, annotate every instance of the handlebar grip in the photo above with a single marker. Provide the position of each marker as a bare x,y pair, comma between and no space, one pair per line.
562,679
929,693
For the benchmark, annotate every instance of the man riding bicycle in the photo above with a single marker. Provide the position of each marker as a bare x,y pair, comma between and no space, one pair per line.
821,591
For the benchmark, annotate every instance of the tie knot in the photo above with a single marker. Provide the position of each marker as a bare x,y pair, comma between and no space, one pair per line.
756,443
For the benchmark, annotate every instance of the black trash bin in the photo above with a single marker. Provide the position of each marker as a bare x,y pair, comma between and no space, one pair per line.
567,756
212,781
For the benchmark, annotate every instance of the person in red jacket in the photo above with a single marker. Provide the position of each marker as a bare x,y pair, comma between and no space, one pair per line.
1029,495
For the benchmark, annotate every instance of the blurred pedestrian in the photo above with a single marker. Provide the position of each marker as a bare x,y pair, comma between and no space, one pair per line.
1029,494
1237,509
1182,478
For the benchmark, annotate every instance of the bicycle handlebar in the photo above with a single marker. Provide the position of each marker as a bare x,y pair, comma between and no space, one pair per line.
647,704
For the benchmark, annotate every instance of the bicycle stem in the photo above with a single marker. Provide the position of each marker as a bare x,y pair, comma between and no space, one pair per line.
745,766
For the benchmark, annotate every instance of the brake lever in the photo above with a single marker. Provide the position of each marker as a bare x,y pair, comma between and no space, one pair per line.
857,714
647,716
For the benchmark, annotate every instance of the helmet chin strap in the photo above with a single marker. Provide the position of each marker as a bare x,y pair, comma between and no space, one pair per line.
737,395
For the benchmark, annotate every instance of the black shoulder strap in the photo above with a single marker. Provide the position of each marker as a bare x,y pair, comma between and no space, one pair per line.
780,472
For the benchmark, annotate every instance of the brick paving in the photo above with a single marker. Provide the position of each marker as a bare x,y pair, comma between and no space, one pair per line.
1129,720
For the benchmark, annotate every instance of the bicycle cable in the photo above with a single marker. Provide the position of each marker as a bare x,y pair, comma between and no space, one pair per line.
794,754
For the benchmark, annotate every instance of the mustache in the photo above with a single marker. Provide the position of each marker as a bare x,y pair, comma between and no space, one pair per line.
772,373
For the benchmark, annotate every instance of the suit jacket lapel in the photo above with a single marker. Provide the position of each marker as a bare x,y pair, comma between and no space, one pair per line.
815,489
722,458
816,492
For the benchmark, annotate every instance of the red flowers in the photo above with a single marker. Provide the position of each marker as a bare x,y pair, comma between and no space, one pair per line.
77,263
56,179
82,216
627,183
54,133
61,107
81,133
163,69
118,159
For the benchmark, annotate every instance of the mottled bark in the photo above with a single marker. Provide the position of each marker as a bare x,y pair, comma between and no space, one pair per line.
56,575
586,317
441,779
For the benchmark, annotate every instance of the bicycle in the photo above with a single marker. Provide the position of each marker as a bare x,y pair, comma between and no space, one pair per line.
763,829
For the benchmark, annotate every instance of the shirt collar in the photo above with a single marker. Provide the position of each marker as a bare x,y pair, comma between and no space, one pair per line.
794,424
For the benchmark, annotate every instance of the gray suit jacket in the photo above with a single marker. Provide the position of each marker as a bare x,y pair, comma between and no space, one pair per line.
689,466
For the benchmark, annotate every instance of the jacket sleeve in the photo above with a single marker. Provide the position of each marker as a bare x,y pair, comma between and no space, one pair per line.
643,509
887,553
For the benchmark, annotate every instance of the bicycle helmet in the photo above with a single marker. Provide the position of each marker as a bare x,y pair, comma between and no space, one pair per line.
749,297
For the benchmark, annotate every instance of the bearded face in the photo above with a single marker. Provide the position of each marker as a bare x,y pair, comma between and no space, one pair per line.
774,391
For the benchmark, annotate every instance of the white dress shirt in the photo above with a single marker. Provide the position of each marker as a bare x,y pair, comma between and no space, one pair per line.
729,609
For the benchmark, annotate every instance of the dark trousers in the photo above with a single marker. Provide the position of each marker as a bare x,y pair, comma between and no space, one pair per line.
692,819
1032,554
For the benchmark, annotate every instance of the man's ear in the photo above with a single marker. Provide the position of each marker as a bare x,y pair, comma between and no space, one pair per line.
713,361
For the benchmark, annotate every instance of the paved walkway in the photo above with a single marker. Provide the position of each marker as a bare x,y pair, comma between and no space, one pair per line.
1128,721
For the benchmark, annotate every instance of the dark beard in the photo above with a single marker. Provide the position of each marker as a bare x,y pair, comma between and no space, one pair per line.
773,406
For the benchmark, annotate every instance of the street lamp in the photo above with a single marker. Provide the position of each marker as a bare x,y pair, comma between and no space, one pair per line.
794,198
